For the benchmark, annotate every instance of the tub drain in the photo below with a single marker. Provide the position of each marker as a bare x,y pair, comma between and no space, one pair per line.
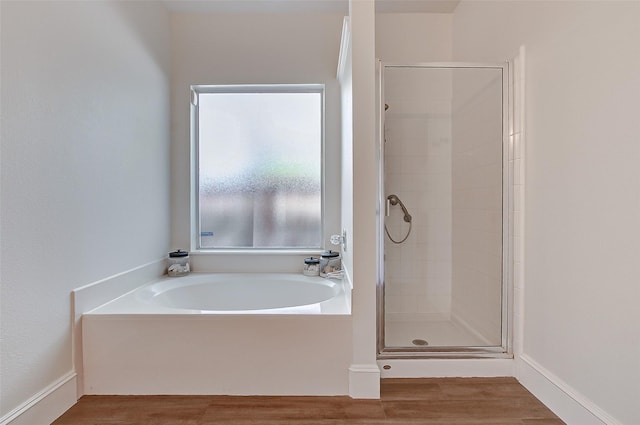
419,342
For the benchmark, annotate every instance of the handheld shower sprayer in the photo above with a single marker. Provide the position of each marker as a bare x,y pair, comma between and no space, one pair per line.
394,200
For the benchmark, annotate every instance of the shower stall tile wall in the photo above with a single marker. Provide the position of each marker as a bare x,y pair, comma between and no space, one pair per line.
418,169
477,170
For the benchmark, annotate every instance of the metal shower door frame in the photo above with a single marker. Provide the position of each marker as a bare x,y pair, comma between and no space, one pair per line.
505,350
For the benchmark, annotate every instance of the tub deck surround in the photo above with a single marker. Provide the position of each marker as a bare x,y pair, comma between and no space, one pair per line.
138,344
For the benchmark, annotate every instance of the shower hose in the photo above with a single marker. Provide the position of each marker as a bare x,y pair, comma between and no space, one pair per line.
395,200
395,241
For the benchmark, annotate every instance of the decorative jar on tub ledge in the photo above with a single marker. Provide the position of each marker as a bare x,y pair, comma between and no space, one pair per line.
178,263
330,263
311,267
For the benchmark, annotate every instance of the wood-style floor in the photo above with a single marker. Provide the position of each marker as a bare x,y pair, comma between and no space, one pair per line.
450,401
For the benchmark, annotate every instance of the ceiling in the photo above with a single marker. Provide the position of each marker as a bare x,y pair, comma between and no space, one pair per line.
307,6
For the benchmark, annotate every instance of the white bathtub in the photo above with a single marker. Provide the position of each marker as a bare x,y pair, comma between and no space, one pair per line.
248,333
233,293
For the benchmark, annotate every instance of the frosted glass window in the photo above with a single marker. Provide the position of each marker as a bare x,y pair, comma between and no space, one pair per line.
259,153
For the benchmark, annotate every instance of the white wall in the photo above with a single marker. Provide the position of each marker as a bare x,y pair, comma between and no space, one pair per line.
346,174
364,375
244,48
85,148
413,37
582,235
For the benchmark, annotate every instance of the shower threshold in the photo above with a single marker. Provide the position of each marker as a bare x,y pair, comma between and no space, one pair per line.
444,353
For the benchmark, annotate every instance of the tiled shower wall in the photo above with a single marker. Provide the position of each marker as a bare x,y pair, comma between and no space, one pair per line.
417,151
477,202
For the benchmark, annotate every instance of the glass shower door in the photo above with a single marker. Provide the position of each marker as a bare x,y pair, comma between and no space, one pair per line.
443,208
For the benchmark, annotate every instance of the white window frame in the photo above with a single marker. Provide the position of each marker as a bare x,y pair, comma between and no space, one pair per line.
196,90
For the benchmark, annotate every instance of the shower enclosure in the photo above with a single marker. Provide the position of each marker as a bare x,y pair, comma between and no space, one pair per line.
443,278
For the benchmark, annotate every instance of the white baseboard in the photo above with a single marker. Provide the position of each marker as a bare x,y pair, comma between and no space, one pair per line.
364,381
46,406
571,406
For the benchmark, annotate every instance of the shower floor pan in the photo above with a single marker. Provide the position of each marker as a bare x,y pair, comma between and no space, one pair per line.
444,339
441,333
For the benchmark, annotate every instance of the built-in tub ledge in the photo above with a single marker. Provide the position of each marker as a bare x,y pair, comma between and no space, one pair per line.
222,333
234,293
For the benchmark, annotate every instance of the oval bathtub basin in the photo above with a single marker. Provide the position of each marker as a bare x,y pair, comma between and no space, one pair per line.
238,291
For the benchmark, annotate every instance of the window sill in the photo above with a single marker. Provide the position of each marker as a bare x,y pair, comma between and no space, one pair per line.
249,252
250,261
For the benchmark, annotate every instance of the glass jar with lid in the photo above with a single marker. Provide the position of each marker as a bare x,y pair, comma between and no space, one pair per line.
330,262
178,263
311,266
